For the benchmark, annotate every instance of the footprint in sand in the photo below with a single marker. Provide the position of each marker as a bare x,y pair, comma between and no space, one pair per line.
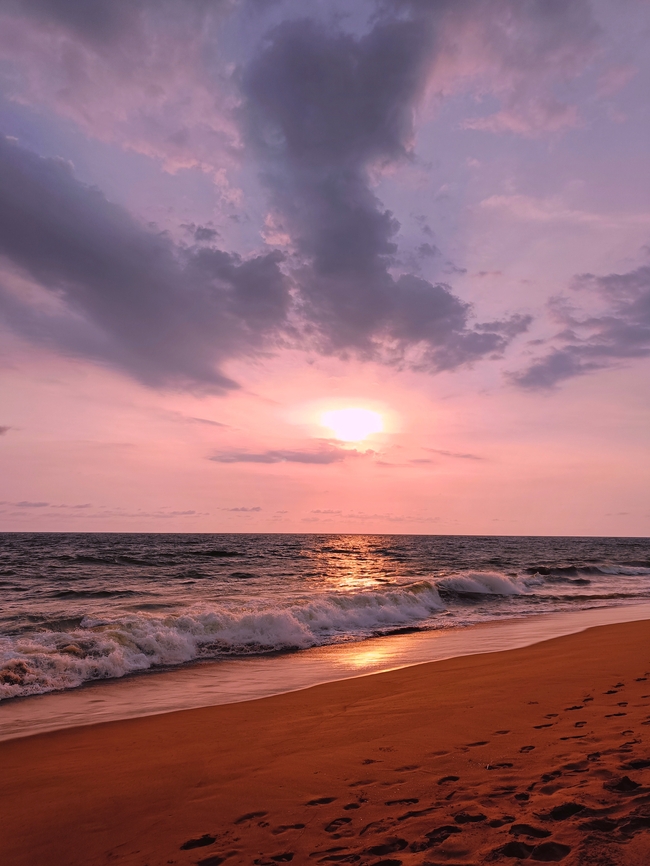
577,707
539,727
321,801
564,811
448,779
550,852
340,858
389,846
530,831
468,818
622,785
201,842
216,860
388,863
601,825
547,852
500,822
580,724
416,813
434,837
336,824
526,748
285,857
349,806
284,827
637,764
407,801
250,816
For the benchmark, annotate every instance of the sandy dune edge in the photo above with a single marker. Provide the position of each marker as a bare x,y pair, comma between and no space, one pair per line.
537,754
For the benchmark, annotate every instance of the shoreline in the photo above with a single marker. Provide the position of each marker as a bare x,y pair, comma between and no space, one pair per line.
543,737
217,683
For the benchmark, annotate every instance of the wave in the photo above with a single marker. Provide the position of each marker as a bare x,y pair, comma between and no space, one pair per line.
571,571
106,648
480,583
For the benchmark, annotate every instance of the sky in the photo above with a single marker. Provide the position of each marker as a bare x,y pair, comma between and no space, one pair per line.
221,220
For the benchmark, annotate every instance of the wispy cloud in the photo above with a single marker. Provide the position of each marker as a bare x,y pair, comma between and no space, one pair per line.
456,454
244,508
322,457
593,342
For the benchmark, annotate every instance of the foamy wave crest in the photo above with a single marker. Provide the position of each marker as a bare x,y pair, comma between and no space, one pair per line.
480,583
106,648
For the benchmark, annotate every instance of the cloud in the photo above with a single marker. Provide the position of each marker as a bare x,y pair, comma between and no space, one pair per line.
208,421
323,110
243,508
24,503
322,457
620,331
122,293
553,210
456,454
135,72
522,54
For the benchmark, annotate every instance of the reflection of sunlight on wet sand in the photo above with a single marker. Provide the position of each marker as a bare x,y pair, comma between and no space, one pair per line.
364,658
375,654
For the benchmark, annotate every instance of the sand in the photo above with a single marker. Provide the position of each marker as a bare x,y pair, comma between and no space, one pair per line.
539,753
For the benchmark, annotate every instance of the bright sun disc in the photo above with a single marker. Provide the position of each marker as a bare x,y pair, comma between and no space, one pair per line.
352,425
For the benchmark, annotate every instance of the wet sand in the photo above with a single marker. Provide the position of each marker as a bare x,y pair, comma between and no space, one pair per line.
539,753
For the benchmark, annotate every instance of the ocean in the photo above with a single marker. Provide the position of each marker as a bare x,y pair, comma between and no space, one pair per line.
82,608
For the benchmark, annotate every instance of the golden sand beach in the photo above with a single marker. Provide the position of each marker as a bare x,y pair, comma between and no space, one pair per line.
537,754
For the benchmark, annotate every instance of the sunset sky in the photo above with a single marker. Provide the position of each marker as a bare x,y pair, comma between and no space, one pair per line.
221,220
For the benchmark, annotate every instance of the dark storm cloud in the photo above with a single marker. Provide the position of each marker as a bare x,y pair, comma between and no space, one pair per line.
122,293
323,457
590,343
324,108
323,111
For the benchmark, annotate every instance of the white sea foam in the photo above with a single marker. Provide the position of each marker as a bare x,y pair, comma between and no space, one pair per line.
481,583
101,648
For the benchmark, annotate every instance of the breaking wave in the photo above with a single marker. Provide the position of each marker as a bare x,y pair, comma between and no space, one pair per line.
481,583
45,661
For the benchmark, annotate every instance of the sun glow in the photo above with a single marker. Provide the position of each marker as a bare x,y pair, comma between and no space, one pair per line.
352,425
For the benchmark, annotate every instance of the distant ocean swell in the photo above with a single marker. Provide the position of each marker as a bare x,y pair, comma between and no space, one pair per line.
71,652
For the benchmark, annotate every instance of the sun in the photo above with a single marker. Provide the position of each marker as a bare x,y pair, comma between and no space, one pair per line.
352,425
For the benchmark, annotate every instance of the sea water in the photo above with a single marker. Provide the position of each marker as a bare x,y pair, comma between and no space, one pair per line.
83,608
